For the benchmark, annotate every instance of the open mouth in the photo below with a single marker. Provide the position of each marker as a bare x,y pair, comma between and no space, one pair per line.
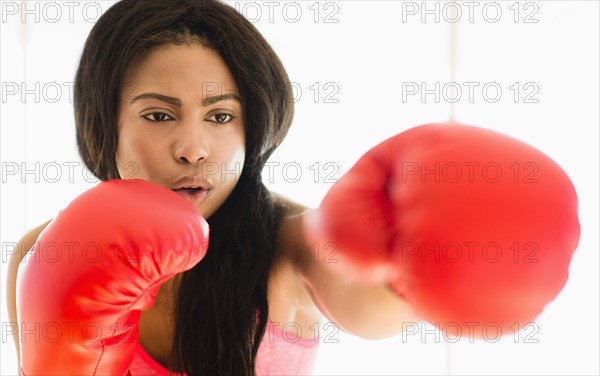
190,189
194,195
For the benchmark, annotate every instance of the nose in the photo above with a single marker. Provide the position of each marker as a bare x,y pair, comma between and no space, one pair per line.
191,144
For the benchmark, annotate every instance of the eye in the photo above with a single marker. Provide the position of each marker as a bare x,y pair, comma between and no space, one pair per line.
157,117
221,118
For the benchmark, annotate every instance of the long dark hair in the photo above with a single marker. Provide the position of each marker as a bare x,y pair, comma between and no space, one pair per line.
222,310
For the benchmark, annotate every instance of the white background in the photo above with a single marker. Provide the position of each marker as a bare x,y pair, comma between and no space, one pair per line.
364,55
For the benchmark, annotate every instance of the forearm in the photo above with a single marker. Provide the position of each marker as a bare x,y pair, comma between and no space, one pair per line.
370,311
366,311
438,242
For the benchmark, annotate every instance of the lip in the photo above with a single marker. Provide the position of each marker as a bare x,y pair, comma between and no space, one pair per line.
194,198
194,182
197,197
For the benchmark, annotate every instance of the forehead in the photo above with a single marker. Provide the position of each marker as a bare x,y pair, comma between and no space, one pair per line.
182,68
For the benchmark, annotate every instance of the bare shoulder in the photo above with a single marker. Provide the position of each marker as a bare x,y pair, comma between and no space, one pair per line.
293,208
27,242
19,251
290,238
16,256
291,250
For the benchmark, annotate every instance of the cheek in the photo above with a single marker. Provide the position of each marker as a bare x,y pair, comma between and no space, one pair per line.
136,153
228,156
238,150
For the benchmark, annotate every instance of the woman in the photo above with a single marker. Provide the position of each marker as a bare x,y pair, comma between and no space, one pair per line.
144,72
187,95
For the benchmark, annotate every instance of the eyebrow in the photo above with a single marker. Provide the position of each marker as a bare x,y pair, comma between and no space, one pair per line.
207,101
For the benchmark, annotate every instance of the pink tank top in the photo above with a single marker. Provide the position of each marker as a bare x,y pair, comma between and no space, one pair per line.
279,353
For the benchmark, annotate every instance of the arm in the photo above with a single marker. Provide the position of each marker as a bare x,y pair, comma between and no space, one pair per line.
19,252
423,213
118,243
370,311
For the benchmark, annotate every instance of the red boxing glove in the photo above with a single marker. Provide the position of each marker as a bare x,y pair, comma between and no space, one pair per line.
94,268
470,226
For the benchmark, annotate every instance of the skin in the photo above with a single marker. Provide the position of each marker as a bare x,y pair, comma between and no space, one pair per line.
162,140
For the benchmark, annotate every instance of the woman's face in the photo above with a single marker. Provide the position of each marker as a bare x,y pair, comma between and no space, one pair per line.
180,124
